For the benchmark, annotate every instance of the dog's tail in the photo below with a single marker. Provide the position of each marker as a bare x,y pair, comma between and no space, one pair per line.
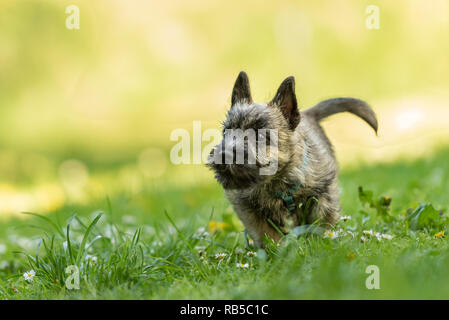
336,105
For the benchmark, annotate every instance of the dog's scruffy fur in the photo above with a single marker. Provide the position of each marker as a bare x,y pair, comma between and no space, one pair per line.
305,158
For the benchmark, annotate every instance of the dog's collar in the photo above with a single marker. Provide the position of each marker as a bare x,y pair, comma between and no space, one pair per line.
287,196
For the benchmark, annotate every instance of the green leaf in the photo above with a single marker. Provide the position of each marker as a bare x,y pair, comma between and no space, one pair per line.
425,216
365,196
382,204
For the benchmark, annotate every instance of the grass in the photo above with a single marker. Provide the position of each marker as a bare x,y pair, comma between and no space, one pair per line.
162,244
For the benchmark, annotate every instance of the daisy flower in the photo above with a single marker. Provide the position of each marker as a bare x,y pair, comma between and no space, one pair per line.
345,218
91,258
220,256
387,236
242,265
331,234
379,236
29,275
201,233
371,233
251,254
352,234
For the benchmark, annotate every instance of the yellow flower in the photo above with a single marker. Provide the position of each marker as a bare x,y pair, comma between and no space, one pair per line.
439,234
351,256
217,225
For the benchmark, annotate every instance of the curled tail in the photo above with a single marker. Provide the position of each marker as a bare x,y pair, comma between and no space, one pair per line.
355,106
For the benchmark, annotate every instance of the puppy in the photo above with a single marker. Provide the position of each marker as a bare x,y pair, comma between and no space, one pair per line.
292,178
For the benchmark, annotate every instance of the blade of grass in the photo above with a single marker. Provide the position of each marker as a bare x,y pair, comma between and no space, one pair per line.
86,235
275,227
69,245
48,220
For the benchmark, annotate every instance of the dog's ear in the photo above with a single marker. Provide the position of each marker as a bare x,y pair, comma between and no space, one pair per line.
285,100
241,92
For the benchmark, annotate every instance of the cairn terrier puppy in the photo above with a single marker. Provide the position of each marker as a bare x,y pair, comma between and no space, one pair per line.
280,171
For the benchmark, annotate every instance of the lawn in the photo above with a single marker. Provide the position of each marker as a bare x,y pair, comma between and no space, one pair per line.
183,241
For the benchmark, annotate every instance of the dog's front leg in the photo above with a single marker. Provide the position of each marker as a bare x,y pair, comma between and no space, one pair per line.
258,228
326,211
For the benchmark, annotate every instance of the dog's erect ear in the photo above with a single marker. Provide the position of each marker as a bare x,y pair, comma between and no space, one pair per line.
285,99
241,92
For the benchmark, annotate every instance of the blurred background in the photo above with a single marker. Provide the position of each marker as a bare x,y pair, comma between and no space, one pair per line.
88,113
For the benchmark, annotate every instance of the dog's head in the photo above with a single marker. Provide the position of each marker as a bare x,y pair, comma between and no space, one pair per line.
256,142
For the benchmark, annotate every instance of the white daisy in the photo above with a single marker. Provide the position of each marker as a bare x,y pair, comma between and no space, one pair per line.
387,236
29,275
242,265
200,250
352,234
91,258
201,233
220,256
251,254
345,218
331,234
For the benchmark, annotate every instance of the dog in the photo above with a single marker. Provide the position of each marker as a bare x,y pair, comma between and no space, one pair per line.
303,187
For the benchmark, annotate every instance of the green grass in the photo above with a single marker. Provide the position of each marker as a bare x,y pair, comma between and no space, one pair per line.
149,246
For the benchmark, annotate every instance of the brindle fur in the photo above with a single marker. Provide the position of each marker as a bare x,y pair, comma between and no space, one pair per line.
252,195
